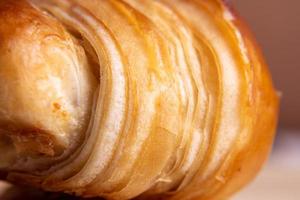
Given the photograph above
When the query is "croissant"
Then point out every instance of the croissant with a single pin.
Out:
(122, 99)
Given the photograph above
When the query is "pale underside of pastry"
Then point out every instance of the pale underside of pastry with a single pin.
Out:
(132, 98)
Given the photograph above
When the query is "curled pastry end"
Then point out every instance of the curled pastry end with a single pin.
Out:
(46, 83)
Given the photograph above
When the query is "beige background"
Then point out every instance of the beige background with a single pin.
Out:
(276, 24)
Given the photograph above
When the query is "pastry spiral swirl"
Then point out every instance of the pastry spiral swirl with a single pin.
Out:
(132, 98)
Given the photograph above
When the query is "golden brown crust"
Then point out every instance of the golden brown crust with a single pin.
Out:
(33, 67)
(184, 107)
(265, 105)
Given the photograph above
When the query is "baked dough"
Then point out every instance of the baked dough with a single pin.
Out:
(132, 98)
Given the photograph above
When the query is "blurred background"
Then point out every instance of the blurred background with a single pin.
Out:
(276, 25)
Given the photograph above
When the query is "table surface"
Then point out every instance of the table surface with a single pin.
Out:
(279, 180)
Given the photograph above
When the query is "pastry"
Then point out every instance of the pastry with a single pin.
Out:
(122, 99)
